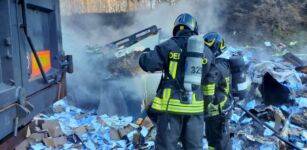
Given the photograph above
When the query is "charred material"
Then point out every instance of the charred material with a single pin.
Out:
(293, 59)
(273, 93)
(302, 69)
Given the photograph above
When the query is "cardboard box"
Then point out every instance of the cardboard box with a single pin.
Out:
(100, 121)
(90, 128)
(79, 116)
(53, 128)
(37, 137)
(24, 145)
(138, 140)
(124, 131)
(114, 134)
(147, 123)
(139, 121)
(58, 108)
(80, 130)
(54, 142)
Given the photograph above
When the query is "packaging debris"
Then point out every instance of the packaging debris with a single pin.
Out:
(80, 131)
(73, 128)
(273, 92)
(147, 123)
(90, 145)
(138, 140)
(300, 119)
(125, 130)
(53, 128)
(104, 132)
(37, 137)
(54, 142)
(237, 144)
(23, 145)
(301, 101)
(268, 132)
(268, 44)
(268, 147)
(114, 134)
(302, 69)
(125, 135)
(281, 85)
(39, 146)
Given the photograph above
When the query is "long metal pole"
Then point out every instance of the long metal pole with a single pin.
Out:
(267, 126)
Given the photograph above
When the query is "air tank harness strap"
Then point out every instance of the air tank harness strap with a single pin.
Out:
(193, 54)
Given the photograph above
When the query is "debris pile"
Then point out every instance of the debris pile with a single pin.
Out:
(69, 127)
(278, 98)
(289, 121)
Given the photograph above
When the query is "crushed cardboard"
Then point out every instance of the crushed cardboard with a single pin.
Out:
(23, 145)
(138, 140)
(58, 109)
(37, 137)
(53, 128)
(80, 130)
(114, 134)
(86, 130)
(125, 130)
(54, 142)
(300, 119)
(147, 123)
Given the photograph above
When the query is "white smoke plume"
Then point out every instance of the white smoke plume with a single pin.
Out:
(87, 85)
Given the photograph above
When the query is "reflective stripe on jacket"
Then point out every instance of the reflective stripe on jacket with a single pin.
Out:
(169, 57)
(217, 87)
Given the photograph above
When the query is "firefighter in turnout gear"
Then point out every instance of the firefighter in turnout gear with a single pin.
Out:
(179, 101)
(218, 102)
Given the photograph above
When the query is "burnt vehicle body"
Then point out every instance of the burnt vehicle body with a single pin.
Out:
(33, 64)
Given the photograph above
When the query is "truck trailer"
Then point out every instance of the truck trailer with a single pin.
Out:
(33, 65)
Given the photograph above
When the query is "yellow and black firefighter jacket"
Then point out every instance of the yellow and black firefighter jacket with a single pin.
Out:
(169, 57)
(217, 86)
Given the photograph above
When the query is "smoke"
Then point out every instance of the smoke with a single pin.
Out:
(206, 13)
(88, 85)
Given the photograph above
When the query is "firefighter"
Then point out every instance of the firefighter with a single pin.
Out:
(179, 116)
(218, 102)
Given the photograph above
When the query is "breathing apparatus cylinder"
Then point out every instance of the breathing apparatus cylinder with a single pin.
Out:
(193, 66)
(239, 82)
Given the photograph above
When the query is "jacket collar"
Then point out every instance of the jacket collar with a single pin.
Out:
(185, 32)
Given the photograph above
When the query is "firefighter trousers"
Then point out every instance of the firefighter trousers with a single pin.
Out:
(174, 128)
(217, 132)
